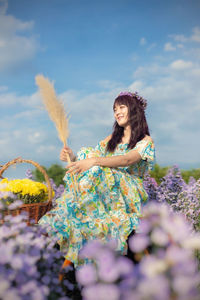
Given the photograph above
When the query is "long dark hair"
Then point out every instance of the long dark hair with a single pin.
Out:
(137, 120)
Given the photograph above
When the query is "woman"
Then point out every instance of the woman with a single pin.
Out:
(109, 178)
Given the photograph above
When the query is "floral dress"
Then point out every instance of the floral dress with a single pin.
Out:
(107, 205)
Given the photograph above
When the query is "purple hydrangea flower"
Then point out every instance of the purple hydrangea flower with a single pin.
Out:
(29, 262)
(86, 275)
(159, 273)
(101, 291)
(139, 242)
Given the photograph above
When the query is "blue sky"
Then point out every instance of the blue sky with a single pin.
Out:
(92, 50)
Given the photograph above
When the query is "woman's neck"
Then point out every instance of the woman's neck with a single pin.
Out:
(127, 134)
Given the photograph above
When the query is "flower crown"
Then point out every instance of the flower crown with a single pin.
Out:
(135, 95)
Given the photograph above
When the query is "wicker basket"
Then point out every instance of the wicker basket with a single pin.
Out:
(36, 210)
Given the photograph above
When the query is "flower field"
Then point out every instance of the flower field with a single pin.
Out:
(163, 262)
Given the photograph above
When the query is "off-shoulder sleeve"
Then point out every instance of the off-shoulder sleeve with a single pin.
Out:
(146, 149)
(101, 147)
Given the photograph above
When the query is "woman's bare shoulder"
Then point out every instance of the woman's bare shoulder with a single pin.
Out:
(147, 138)
(107, 139)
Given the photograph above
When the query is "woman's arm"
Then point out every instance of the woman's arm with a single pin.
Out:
(124, 160)
(112, 162)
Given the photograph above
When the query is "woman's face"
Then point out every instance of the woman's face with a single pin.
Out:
(121, 114)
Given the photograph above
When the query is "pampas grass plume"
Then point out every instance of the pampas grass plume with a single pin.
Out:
(54, 106)
(56, 111)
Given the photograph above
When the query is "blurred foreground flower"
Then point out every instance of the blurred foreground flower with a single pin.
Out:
(7, 199)
(167, 267)
(99, 279)
(29, 262)
(171, 267)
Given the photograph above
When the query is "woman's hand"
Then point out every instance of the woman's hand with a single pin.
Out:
(63, 154)
(80, 166)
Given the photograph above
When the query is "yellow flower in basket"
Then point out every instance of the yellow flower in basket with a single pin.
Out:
(27, 190)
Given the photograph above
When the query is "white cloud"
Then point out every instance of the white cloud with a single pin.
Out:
(3, 89)
(28, 132)
(24, 140)
(24, 127)
(180, 45)
(173, 109)
(181, 65)
(3, 6)
(196, 35)
(193, 52)
(46, 150)
(152, 69)
(153, 45)
(169, 47)
(8, 99)
(17, 44)
(95, 108)
(172, 113)
(16, 50)
(136, 85)
(108, 84)
(170, 84)
(179, 38)
(143, 41)
(134, 57)
(11, 100)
